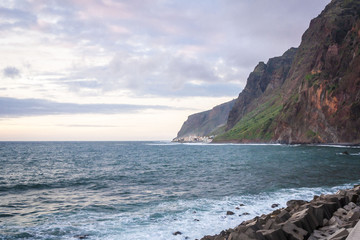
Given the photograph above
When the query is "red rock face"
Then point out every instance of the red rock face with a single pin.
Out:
(328, 83)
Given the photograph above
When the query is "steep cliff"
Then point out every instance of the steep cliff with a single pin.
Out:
(265, 79)
(205, 123)
(310, 94)
(318, 99)
(323, 89)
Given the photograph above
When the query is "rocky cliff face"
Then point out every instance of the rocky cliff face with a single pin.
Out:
(265, 78)
(323, 89)
(319, 99)
(205, 123)
(310, 94)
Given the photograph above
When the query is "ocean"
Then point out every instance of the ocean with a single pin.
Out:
(150, 190)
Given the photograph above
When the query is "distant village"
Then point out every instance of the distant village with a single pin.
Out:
(194, 139)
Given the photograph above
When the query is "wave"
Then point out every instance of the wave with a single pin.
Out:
(91, 183)
(335, 145)
(158, 221)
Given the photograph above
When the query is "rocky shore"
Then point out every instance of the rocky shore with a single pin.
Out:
(331, 217)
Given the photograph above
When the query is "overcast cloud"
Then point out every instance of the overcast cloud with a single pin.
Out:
(11, 72)
(164, 45)
(12, 107)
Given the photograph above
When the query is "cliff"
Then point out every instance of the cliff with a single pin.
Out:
(318, 99)
(310, 94)
(205, 123)
(264, 80)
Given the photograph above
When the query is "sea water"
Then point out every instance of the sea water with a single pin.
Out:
(150, 190)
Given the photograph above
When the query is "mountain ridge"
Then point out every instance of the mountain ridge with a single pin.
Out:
(310, 94)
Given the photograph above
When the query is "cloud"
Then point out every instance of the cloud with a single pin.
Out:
(160, 47)
(86, 126)
(13, 107)
(11, 72)
(15, 18)
(158, 74)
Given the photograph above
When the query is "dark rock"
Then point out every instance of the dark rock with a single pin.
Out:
(237, 208)
(341, 200)
(282, 216)
(239, 236)
(245, 213)
(320, 219)
(345, 153)
(321, 213)
(230, 213)
(352, 195)
(208, 237)
(329, 207)
(295, 204)
(275, 205)
(269, 224)
(305, 219)
(81, 236)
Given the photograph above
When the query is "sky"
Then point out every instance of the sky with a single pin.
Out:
(117, 70)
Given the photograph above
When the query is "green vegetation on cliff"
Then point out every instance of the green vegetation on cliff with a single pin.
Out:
(257, 125)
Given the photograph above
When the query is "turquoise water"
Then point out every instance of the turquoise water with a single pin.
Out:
(149, 190)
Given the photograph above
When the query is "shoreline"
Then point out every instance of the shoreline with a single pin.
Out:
(332, 216)
(274, 143)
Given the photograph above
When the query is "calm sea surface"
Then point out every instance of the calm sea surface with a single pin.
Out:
(149, 190)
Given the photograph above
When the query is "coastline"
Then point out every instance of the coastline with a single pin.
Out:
(210, 140)
(332, 216)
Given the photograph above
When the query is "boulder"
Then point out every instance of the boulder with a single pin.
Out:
(282, 216)
(341, 200)
(353, 215)
(305, 219)
(321, 213)
(341, 213)
(320, 234)
(293, 232)
(350, 206)
(352, 195)
(340, 234)
(239, 236)
(329, 207)
(294, 204)
(271, 234)
(334, 220)
(269, 224)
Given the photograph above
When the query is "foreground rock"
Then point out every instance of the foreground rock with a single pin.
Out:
(331, 217)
